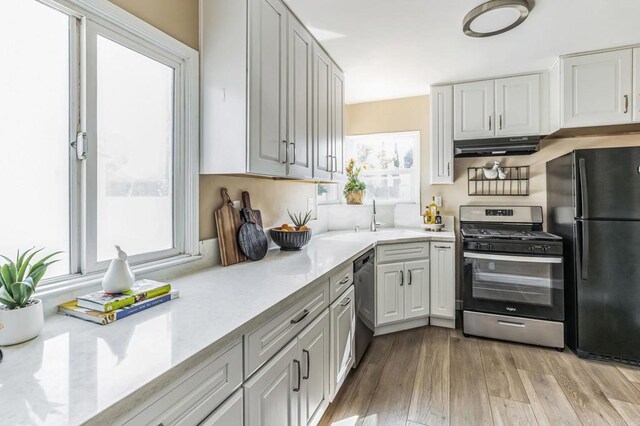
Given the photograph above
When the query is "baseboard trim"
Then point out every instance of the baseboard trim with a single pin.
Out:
(443, 322)
(400, 326)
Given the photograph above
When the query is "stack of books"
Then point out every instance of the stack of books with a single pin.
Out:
(104, 308)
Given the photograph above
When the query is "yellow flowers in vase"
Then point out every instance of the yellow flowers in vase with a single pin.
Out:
(354, 188)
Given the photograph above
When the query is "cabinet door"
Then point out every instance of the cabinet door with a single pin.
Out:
(635, 105)
(390, 293)
(442, 134)
(323, 161)
(443, 281)
(268, 87)
(518, 106)
(473, 110)
(228, 414)
(313, 344)
(416, 289)
(597, 89)
(342, 339)
(272, 394)
(300, 94)
(337, 121)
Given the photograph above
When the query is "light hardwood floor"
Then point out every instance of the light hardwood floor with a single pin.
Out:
(435, 376)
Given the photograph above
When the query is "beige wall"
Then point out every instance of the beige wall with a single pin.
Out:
(179, 19)
(413, 114)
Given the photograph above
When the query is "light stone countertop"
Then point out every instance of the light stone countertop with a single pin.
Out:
(77, 372)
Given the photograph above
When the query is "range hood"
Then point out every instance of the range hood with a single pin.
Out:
(521, 145)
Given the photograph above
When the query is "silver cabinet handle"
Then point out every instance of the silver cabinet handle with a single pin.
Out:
(329, 163)
(489, 122)
(344, 280)
(410, 278)
(626, 104)
(401, 278)
(500, 121)
(449, 168)
(335, 163)
(297, 388)
(442, 247)
(286, 152)
(293, 145)
(347, 302)
(306, 354)
(300, 317)
(511, 324)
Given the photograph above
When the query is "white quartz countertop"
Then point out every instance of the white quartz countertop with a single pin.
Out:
(75, 369)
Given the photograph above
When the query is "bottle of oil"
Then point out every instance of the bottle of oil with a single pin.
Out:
(433, 211)
(426, 216)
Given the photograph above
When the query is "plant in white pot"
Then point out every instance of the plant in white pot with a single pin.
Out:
(21, 316)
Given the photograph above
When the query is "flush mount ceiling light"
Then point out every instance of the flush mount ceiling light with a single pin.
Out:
(495, 17)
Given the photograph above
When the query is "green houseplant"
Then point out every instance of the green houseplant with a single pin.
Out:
(354, 188)
(21, 316)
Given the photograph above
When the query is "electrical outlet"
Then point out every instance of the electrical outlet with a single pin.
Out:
(237, 204)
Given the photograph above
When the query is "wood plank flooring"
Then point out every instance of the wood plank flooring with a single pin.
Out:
(435, 376)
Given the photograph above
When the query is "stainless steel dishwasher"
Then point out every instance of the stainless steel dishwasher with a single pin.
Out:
(364, 280)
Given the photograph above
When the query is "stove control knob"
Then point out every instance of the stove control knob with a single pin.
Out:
(531, 248)
(477, 246)
(490, 246)
(545, 249)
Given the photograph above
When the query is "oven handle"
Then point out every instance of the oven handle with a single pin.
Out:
(524, 259)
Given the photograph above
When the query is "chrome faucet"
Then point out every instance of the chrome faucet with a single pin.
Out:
(374, 224)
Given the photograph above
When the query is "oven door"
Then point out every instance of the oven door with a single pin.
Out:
(519, 285)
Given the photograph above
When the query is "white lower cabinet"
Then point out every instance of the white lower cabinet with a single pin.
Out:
(343, 316)
(228, 414)
(272, 394)
(443, 284)
(416, 290)
(313, 344)
(402, 291)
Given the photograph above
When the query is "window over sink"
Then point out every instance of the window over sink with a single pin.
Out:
(392, 174)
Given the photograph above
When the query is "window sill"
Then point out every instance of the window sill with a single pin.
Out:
(74, 285)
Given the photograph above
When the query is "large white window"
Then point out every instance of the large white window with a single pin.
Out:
(393, 165)
(98, 137)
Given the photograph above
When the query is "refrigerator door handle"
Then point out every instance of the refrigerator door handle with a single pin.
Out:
(582, 249)
(583, 193)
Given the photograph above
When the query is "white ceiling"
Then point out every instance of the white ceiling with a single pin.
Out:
(397, 48)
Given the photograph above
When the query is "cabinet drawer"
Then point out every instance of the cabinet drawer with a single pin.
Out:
(231, 413)
(402, 252)
(340, 281)
(199, 393)
(267, 340)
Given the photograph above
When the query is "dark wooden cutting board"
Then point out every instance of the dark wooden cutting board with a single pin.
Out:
(228, 222)
(251, 239)
(256, 215)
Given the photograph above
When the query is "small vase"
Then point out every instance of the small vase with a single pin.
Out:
(20, 325)
(119, 277)
(355, 197)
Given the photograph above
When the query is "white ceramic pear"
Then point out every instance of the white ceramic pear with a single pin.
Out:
(119, 277)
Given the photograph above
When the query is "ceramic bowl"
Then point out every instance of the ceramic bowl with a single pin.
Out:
(292, 240)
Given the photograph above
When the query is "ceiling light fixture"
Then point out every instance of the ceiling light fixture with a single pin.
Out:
(495, 17)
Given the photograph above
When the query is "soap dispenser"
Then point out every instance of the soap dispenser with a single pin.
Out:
(119, 277)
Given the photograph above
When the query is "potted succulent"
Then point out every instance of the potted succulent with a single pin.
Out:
(21, 316)
(354, 188)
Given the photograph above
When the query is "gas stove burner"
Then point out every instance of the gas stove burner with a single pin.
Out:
(509, 234)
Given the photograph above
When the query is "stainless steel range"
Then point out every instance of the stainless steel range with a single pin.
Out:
(512, 276)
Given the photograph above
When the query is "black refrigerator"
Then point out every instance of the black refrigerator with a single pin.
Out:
(593, 202)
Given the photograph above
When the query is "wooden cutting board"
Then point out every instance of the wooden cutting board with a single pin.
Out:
(256, 215)
(228, 222)
(251, 239)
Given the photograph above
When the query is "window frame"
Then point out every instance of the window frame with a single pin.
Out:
(120, 26)
(414, 171)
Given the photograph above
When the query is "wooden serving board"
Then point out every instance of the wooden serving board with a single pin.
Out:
(256, 215)
(228, 222)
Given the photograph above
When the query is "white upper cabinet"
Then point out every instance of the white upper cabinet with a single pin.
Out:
(323, 158)
(636, 84)
(442, 134)
(272, 99)
(337, 121)
(597, 89)
(300, 95)
(268, 145)
(518, 106)
(473, 106)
